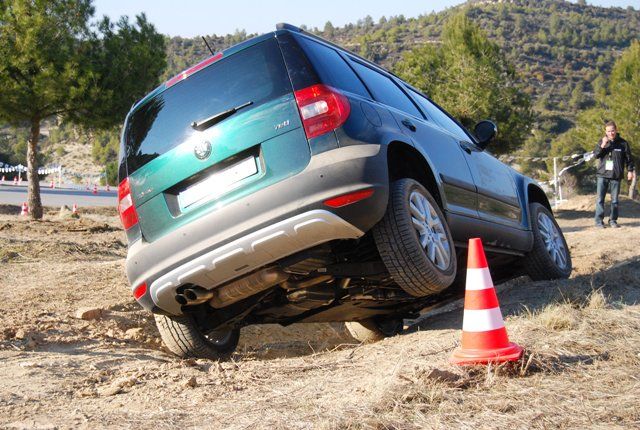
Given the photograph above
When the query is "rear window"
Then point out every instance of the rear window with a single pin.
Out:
(385, 90)
(333, 70)
(255, 74)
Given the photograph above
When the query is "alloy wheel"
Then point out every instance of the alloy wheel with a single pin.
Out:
(430, 230)
(552, 240)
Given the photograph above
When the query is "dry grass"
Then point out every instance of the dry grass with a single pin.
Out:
(579, 370)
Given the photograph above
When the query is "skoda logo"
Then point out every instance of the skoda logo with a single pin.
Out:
(202, 150)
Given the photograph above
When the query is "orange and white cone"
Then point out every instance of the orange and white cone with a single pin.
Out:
(484, 336)
(25, 209)
(74, 211)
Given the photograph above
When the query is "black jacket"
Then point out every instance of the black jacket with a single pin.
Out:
(619, 152)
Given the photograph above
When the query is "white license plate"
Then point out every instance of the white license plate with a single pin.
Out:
(218, 183)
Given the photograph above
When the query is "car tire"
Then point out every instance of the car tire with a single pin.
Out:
(373, 329)
(550, 257)
(414, 240)
(183, 337)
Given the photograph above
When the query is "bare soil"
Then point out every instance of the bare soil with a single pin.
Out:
(580, 369)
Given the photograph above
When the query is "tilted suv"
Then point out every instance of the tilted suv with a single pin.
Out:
(287, 180)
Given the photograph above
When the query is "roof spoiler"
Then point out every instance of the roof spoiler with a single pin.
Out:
(285, 26)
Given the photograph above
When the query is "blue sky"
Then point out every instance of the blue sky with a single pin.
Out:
(190, 18)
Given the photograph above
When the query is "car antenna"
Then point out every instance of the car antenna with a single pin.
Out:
(207, 43)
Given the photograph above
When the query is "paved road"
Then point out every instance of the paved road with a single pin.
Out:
(16, 195)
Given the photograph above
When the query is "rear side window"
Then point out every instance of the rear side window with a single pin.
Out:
(256, 74)
(385, 90)
(440, 118)
(333, 70)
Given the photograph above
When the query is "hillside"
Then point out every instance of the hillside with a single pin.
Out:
(555, 45)
(562, 51)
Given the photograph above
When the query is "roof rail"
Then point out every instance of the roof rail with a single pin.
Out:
(285, 26)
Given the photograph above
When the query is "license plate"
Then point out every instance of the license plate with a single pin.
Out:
(218, 183)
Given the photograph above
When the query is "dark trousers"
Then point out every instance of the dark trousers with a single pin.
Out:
(604, 185)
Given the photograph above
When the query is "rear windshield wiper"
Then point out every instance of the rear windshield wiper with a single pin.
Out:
(206, 123)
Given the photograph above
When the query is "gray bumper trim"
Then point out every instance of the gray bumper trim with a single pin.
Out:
(250, 252)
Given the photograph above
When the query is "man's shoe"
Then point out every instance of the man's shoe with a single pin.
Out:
(614, 224)
(599, 225)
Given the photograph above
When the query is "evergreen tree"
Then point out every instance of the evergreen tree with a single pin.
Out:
(624, 99)
(468, 76)
(53, 63)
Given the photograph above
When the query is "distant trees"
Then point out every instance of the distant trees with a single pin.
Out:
(624, 90)
(469, 76)
(53, 62)
(619, 100)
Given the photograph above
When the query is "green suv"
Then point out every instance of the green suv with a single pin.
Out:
(287, 180)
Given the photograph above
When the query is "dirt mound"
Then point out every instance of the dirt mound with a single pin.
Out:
(76, 351)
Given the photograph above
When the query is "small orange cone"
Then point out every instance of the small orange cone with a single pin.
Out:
(484, 336)
(74, 211)
(52, 184)
(25, 209)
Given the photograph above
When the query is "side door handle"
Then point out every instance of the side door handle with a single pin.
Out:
(408, 124)
(465, 147)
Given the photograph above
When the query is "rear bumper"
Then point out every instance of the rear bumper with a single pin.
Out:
(266, 226)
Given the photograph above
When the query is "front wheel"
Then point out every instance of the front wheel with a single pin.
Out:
(183, 336)
(549, 258)
(414, 240)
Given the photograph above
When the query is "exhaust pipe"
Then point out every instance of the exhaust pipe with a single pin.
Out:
(194, 296)
(197, 295)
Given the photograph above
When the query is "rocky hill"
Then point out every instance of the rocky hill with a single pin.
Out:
(563, 53)
(560, 49)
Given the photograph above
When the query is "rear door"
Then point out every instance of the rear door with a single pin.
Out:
(497, 198)
(187, 154)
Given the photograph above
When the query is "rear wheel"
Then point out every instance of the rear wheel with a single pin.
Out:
(414, 240)
(549, 258)
(374, 329)
(183, 336)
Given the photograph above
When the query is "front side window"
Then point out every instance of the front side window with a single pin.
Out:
(385, 90)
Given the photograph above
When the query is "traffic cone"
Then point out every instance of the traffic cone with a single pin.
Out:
(25, 209)
(95, 189)
(484, 336)
(74, 211)
(52, 184)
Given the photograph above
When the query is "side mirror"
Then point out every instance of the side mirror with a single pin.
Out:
(485, 131)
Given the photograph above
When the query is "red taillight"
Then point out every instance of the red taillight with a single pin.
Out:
(140, 291)
(347, 199)
(192, 70)
(126, 209)
(322, 109)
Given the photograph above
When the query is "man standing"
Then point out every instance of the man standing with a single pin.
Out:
(613, 153)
